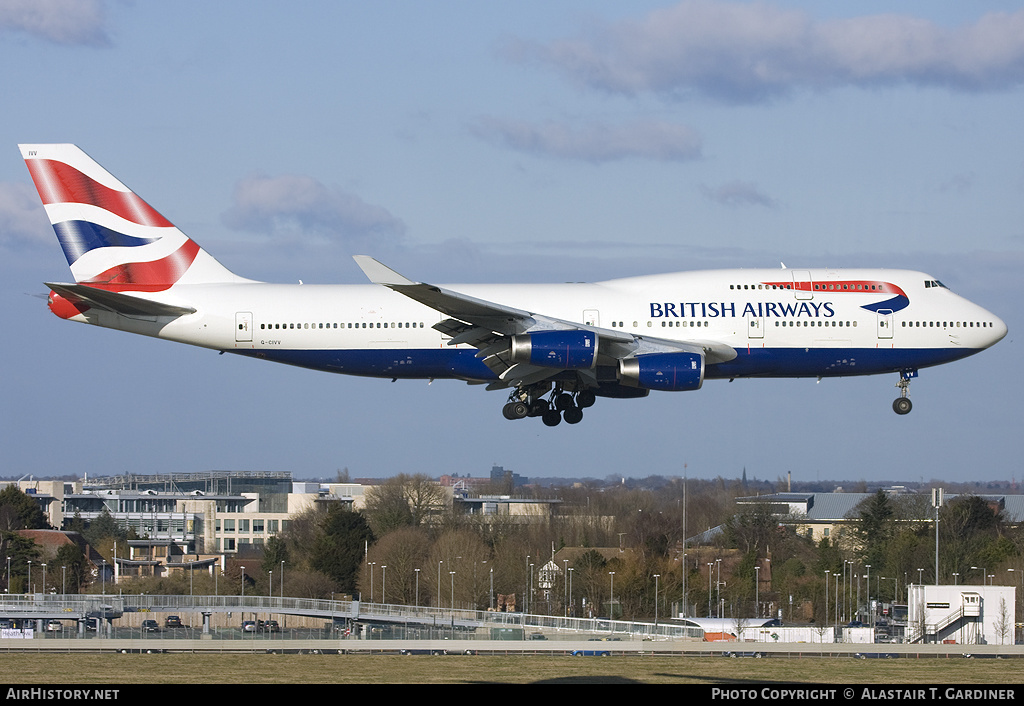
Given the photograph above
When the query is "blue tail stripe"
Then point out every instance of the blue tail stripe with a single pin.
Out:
(79, 237)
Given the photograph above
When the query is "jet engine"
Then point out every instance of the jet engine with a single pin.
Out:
(676, 372)
(567, 350)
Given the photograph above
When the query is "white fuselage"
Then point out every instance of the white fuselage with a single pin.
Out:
(781, 323)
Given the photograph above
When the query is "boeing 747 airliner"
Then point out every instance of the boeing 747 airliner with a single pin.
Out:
(554, 348)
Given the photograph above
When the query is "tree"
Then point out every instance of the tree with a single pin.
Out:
(67, 569)
(339, 546)
(275, 551)
(18, 510)
(875, 527)
(403, 500)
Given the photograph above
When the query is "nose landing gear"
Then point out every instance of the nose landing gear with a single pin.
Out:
(902, 404)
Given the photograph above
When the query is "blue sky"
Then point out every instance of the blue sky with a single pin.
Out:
(517, 142)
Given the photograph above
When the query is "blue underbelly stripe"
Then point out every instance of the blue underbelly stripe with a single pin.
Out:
(757, 362)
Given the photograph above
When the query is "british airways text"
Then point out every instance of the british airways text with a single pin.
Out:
(711, 310)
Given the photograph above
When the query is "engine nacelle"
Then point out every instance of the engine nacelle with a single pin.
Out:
(677, 372)
(568, 350)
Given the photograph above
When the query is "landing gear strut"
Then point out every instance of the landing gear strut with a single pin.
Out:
(902, 404)
(528, 402)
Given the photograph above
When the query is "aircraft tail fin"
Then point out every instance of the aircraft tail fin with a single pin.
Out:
(111, 238)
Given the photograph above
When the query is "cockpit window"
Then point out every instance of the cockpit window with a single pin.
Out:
(934, 283)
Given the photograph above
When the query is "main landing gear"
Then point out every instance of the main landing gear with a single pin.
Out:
(902, 404)
(528, 402)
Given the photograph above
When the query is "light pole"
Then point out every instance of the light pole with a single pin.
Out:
(984, 573)
(710, 576)
(243, 583)
(611, 600)
(270, 584)
(440, 561)
(452, 574)
(757, 592)
(384, 583)
(44, 579)
(827, 572)
(282, 578)
(868, 567)
(565, 588)
(417, 587)
(372, 564)
(571, 569)
(529, 597)
(718, 585)
(656, 599)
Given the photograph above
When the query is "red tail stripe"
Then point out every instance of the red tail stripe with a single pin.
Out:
(60, 183)
(154, 276)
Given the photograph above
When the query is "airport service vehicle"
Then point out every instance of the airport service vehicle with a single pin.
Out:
(554, 349)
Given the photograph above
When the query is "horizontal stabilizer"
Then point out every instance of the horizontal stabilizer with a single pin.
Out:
(117, 302)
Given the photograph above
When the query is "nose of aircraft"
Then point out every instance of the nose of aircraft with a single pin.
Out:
(998, 330)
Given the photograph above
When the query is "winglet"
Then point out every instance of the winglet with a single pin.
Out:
(378, 273)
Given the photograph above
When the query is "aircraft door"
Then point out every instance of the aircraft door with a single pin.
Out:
(802, 284)
(885, 323)
(591, 317)
(755, 327)
(243, 326)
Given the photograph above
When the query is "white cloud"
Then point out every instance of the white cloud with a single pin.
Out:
(58, 21)
(22, 218)
(294, 205)
(738, 193)
(748, 52)
(593, 143)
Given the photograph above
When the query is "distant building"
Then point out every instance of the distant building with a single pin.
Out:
(500, 475)
(202, 513)
(965, 615)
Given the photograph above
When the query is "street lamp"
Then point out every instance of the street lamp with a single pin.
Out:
(611, 600)
(417, 587)
(656, 599)
(757, 592)
(440, 561)
(452, 574)
(827, 572)
(384, 583)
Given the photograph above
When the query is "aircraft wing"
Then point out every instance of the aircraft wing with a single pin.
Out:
(489, 326)
(117, 302)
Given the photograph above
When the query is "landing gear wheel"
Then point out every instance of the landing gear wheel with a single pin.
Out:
(573, 415)
(515, 410)
(563, 401)
(902, 405)
(585, 398)
(552, 418)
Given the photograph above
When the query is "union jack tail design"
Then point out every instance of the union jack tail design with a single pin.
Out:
(112, 239)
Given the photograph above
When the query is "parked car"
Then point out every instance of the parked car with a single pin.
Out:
(150, 626)
(173, 621)
(54, 626)
(271, 626)
(249, 626)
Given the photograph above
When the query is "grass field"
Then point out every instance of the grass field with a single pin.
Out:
(70, 668)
